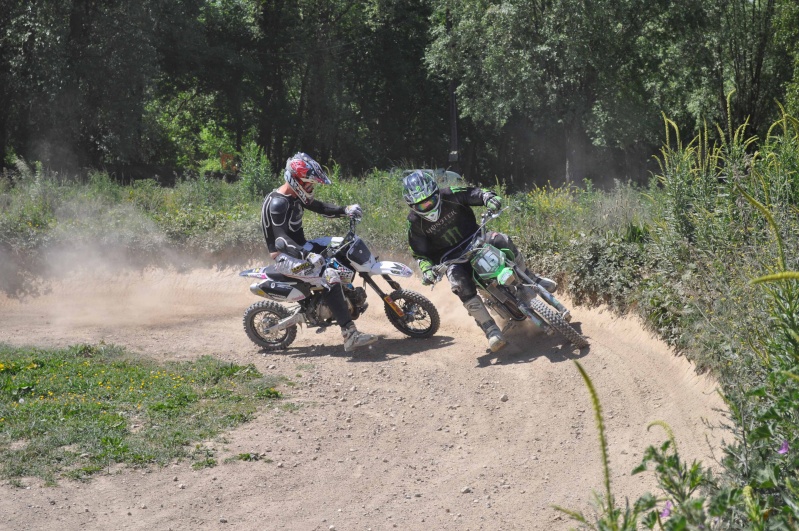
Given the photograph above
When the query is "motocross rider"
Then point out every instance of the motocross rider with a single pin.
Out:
(281, 221)
(442, 220)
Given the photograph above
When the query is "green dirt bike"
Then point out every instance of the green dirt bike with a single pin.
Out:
(504, 287)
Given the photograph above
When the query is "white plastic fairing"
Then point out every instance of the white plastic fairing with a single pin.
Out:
(277, 291)
(391, 268)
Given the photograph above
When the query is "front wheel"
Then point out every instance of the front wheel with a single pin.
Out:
(557, 322)
(420, 317)
(262, 315)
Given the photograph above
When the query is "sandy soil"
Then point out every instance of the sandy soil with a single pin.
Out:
(412, 434)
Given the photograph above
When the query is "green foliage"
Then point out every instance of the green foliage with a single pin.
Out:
(542, 86)
(606, 270)
(764, 458)
(76, 411)
(712, 209)
(255, 174)
(213, 142)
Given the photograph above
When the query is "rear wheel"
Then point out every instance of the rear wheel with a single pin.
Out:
(557, 322)
(262, 315)
(420, 317)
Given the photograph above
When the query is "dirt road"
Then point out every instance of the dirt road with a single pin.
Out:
(412, 434)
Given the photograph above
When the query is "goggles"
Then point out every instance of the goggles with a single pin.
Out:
(426, 205)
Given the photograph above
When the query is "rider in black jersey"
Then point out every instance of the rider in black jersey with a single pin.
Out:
(281, 221)
(440, 222)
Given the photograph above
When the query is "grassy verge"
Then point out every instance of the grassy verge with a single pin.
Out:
(74, 412)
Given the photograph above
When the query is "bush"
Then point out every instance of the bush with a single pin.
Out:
(255, 176)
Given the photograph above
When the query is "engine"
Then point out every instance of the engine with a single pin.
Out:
(318, 311)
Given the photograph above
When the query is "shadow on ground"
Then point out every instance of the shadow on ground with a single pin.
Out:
(384, 349)
(526, 342)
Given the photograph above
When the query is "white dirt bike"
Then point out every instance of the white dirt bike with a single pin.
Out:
(273, 326)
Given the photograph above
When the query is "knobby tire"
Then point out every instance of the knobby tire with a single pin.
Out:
(557, 322)
(273, 313)
(411, 302)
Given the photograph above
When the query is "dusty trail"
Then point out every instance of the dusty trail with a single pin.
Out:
(413, 434)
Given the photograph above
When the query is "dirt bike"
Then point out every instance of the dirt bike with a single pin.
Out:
(501, 284)
(273, 326)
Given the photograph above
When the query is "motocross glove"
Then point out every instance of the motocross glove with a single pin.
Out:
(493, 202)
(428, 277)
(353, 211)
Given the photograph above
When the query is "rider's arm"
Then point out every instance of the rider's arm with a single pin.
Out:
(276, 213)
(471, 196)
(418, 243)
(329, 210)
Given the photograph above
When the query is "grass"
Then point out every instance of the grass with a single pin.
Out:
(77, 411)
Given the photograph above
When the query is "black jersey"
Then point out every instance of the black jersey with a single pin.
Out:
(281, 219)
(431, 240)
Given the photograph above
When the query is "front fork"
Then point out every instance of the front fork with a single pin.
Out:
(547, 296)
(386, 298)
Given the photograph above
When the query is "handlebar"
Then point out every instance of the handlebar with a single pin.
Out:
(440, 269)
(329, 252)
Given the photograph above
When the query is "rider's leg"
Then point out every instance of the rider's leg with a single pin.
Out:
(460, 279)
(334, 297)
(503, 241)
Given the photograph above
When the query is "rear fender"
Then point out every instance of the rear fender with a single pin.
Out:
(258, 272)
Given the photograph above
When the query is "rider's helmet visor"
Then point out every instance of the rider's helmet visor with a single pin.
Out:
(426, 205)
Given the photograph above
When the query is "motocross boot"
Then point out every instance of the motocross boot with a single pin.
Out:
(354, 339)
(546, 283)
(478, 311)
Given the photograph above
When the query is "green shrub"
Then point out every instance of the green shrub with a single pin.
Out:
(255, 176)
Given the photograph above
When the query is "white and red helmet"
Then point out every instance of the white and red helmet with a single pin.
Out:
(302, 174)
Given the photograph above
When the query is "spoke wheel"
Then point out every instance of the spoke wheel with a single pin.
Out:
(262, 315)
(421, 316)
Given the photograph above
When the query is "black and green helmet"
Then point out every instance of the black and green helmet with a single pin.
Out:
(420, 191)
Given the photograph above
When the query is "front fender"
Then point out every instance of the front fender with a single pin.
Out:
(396, 269)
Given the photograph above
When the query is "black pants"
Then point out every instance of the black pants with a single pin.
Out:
(334, 298)
(461, 276)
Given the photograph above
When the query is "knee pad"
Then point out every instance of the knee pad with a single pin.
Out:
(331, 276)
(503, 241)
(461, 283)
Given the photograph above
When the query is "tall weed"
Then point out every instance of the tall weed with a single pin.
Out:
(682, 507)
(255, 176)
